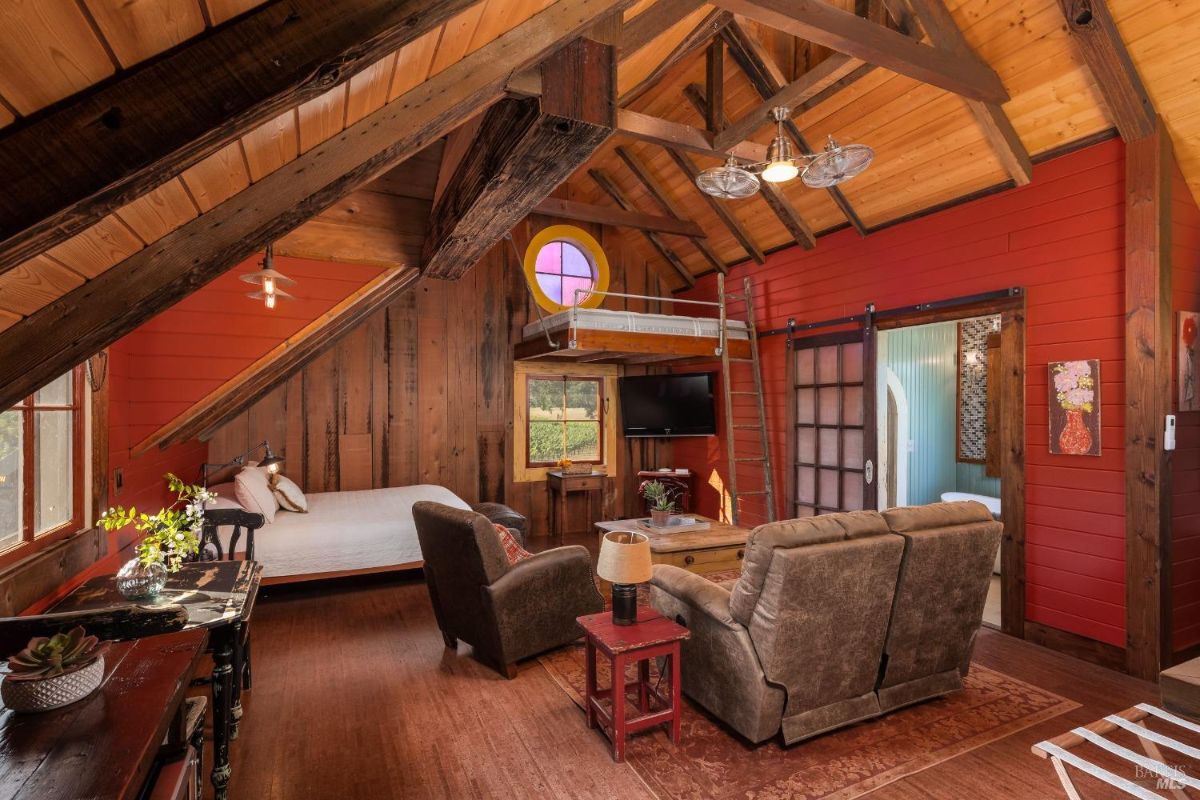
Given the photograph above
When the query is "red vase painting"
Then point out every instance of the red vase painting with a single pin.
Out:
(1075, 408)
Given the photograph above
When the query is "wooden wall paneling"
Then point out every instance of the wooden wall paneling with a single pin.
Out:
(231, 440)
(462, 392)
(267, 419)
(321, 423)
(218, 177)
(33, 76)
(517, 494)
(294, 450)
(403, 432)
(272, 144)
(136, 31)
(35, 283)
(354, 411)
(157, 213)
(413, 62)
(1010, 393)
(493, 409)
(94, 250)
(432, 384)
(100, 435)
(1149, 327)
(368, 90)
(380, 377)
(322, 117)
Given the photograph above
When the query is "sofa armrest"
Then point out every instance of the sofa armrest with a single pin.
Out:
(537, 600)
(700, 593)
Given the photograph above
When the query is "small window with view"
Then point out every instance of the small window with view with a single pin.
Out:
(565, 416)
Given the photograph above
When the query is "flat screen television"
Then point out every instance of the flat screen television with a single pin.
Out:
(668, 405)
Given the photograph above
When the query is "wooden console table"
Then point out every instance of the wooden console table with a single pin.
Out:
(108, 744)
(219, 597)
(560, 485)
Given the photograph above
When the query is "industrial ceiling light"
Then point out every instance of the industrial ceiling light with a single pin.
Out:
(270, 279)
(836, 164)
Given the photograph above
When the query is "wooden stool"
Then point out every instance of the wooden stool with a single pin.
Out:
(652, 636)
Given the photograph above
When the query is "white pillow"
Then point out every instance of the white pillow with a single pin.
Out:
(288, 494)
(253, 492)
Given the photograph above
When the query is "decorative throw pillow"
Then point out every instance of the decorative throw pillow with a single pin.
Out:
(226, 496)
(512, 548)
(288, 494)
(254, 493)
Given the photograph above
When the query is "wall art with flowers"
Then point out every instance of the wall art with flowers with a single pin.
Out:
(1189, 366)
(1075, 408)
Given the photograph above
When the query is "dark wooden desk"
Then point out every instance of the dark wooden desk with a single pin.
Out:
(559, 486)
(219, 597)
(106, 745)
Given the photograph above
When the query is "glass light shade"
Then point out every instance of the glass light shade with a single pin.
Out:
(624, 557)
(780, 171)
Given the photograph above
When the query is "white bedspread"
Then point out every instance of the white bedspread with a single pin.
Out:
(345, 531)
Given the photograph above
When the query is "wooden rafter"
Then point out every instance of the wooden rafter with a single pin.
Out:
(796, 227)
(68, 330)
(607, 215)
(520, 154)
(108, 146)
(656, 130)
(1096, 35)
(710, 26)
(848, 33)
(653, 22)
(766, 78)
(723, 211)
(612, 190)
(285, 359)
(664, 201)
(997, 127)
(714, 87)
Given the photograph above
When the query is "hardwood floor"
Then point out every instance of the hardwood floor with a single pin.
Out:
(355, 697)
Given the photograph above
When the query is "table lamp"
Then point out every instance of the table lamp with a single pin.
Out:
(625, 562)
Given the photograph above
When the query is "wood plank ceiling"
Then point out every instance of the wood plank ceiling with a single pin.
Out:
(931, 148)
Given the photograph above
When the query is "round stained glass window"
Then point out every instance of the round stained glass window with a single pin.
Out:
(566, 267)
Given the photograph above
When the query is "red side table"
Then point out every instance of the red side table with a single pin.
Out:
(652, 636)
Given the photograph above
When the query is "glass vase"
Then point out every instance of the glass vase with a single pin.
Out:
(138, 581)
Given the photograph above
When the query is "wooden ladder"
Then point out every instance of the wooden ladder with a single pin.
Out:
(763, 459)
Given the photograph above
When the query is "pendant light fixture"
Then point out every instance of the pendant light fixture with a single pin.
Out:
(836, 164)
(270, 279)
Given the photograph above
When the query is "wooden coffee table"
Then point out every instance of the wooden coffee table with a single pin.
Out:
(719, 547)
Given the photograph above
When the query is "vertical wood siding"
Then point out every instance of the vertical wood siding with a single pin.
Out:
(1062, 239)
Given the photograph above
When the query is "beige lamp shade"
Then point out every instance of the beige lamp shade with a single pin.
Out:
(624, 557)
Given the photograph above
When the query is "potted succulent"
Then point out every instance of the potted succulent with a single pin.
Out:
(171, 535)
(661, 502)
(54, 671)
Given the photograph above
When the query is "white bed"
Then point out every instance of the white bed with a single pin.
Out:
(343, 532)
(601, 319)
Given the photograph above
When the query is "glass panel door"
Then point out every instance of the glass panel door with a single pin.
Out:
(833, 438)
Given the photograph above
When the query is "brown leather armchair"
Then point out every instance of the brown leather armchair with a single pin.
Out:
(506, 612)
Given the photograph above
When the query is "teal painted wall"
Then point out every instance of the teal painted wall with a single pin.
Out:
(923, 360)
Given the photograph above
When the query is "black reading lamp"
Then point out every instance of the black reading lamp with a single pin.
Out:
(270, 461)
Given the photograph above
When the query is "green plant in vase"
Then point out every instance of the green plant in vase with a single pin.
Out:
(661, 500)
(53, 671)
(170, 536)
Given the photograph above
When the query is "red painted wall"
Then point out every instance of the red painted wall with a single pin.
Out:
(179, 356)
(1185, 462)
(1061, 238)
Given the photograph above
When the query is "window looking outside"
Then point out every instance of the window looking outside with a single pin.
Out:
(41, 457)
(561, 269)
(565, 419)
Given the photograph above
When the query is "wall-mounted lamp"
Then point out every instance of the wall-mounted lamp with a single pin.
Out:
(270, 461)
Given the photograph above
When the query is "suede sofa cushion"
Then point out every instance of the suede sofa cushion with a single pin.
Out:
(807, 531)
(936, 515)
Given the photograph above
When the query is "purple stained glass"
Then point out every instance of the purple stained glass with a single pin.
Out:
(574, 262)
(549, 259)
(551, 286)
(569, 285)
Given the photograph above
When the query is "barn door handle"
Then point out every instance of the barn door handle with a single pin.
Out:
(869, 472)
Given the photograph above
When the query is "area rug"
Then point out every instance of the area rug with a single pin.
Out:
(713, 762)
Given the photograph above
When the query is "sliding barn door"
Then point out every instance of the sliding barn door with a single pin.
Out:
(833, 440)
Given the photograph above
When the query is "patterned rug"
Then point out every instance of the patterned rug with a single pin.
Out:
(713, 762)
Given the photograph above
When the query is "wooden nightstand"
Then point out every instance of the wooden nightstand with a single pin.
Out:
(560, 485)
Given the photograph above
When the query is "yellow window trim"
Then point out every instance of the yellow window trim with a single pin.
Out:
(522, 369)
(585, 242)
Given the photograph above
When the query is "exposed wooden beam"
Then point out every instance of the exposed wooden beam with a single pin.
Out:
(997, 127)
(710, 26)
(824, 75)
(653, 22)
(797, 228)
(766, 78)
(1149, 171)
(285, 359)
(520, 155)
(656, 130)
(714, 86)
(606, 215)
(720, 208)
(115, 142)
(1092, 27)
(612, 190)
(458, 144)
(664, 201)
(845, 32)
(68, 330)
